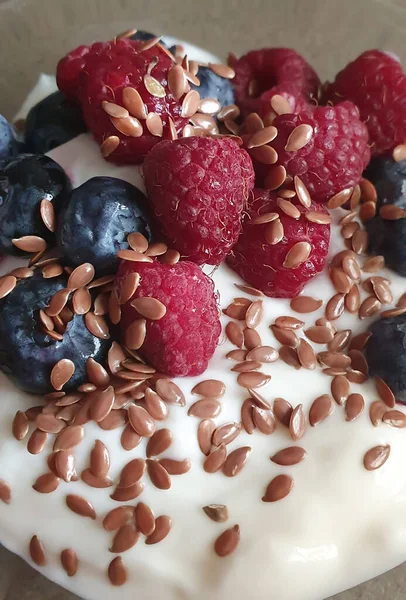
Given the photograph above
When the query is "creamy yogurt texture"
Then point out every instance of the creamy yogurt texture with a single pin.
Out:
(339, 526)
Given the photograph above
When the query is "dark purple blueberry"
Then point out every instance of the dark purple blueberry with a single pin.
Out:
(27, 354)
(24, 182)
(386, 353)
(52, 122)
(8, 143)
(144, 36)
(214, 86)
(97, 219)
(388, 237)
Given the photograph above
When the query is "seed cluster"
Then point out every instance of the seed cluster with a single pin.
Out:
(64, 416)
(342, 359)
(128, 395)
(133, 119)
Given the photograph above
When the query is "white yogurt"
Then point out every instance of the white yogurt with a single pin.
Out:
(339, 526)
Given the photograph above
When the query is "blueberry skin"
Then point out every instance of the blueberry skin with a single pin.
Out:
(51, 123)
(96, 221)
(386, 353)
(24, 182)
(214, 86)
(388, 237)
(27, 355)
(144, 36)
(8, 144)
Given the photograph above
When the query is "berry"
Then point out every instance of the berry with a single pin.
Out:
(185, 338)
(336, 154)
(261, 263)
(197, 188)
(387, 237)
(97, 219)
(106, 70)
(376, 83)
(144, 36)
(69, 69)
(386, 352)
(8, 144)
(51, 123)
(24, 182)
(214, 86)
(27, 353)
(264, 73)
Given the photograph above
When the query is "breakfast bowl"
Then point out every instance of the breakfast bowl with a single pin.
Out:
(202, 300)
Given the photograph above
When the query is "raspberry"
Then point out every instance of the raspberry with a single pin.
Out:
(336, 154)
(261, 74)
(182, 342)
(376, 83)
(69, 69)
(261, 263)
(102, 74)
(197, 187)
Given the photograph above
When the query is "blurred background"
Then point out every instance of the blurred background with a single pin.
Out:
(34, 34)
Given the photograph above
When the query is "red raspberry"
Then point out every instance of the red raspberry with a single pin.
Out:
(102, 74)
(261, 263)
(336, 154)
(376, 83)
(182, 342)
(261, 74)
(197, 187)
(69, 69)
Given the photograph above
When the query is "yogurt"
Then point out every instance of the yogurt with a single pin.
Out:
(340, 525)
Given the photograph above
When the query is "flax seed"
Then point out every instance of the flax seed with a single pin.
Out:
(216, 512)
(384, 392)
(297, 255)
(215, 459)
(163, 525)
(297, 423)
(376, 457)
(299, 137)
(390, 212)
(305, 304)
(340, 198)
(278, 488)
(369, 307)
(335, 307)
(274, 232)
(289, 456)
(275, 178)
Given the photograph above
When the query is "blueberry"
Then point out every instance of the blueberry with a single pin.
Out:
(97, 219)
(27, 354)
(214, 86)
(24, 182)
(388, 237)
(8, 144)
(52, 122)
(144, 36)
(386, 353)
